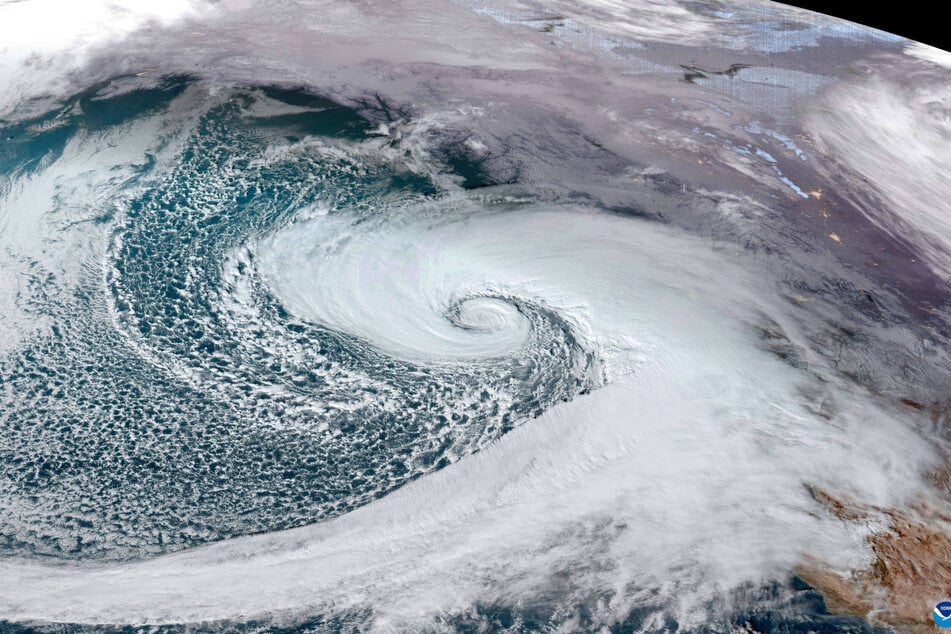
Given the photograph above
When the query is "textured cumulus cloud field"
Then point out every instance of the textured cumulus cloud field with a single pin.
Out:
(683, 475)
(745, 292)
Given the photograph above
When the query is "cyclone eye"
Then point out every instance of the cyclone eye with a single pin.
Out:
(485, 314)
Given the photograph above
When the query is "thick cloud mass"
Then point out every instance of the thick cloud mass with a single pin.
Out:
(440, 316)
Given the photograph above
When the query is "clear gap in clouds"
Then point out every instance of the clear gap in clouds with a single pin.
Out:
(919, 20)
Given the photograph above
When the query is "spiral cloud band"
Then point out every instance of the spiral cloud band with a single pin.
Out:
(535, 319)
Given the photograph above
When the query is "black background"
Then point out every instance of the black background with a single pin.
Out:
(919, 20)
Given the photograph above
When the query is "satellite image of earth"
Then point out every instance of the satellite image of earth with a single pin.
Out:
(471, 316)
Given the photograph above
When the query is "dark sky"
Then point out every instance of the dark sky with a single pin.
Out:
(915, 19)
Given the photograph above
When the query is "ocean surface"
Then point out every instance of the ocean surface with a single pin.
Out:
(511, 319)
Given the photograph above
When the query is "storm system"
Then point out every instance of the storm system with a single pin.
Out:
(456, 316)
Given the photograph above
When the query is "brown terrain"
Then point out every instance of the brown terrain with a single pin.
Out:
(911, 571)
(912, 567)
